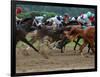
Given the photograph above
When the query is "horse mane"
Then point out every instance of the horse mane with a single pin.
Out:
(75, 30)
(73, 23)
(25, 20)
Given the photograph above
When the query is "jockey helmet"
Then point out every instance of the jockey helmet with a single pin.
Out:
(18, 10)
(66, 14)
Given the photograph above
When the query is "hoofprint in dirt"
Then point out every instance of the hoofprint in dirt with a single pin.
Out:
(68, 60)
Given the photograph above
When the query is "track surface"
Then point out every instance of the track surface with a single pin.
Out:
(34, 62)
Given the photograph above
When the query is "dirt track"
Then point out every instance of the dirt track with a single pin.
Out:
(68, 60)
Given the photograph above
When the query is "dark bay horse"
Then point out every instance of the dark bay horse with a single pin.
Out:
(24, 27)
(44, 30)
(20, 36)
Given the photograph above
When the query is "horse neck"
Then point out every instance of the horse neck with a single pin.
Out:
(81, 32)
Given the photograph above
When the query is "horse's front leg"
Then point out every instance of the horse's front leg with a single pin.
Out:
(82, 47)
(77, 43)
(63, 49)
(88, 48)
(92, 46)
(30, 45)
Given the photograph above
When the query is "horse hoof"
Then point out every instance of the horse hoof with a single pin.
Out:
(74, 49)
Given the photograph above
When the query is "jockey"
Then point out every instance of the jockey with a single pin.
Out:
(57, 21)
(66, 18)
(18, 11)
(92, 19)
(84, 19)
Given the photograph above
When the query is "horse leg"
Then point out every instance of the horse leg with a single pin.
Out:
(64, 47)
(25, 41)
(76, 43)
(31, 41)
(63, 44)
(92, 46)
(62, 50)
(82, 47)
(88, 48)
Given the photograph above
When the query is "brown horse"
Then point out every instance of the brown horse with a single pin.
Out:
(24, 27)
(20, 36)
(88, 36)
(53, 35)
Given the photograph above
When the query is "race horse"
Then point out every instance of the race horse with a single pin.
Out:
(20, 36)
(22, 29)
(67, 29)
(88, 36)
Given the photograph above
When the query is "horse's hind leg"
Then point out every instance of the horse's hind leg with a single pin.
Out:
(25, 41)
(64, 47)
(76, 43)
(92, 45)
(62, 50)
(89, 48)
(82, 47)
